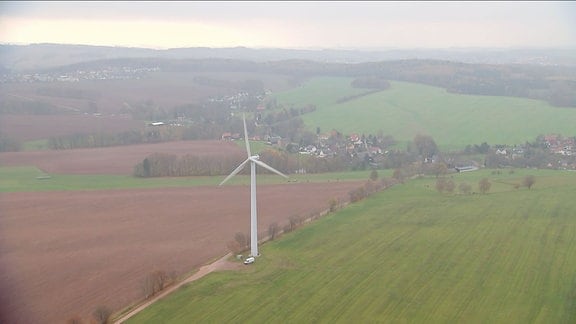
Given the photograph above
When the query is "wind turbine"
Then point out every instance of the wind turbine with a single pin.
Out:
(253, 159)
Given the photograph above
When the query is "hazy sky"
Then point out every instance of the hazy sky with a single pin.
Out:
(291, 24)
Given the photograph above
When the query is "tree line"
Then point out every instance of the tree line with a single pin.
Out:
(91, 140)
(170, 165)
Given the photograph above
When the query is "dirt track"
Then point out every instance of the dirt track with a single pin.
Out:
(220, 264)
(65, 253)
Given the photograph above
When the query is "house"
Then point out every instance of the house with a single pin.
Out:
(226, 136)
(374, 150)
(466, 168)
(274, 140)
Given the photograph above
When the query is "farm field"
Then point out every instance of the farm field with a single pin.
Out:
(37, 127)
(63, 253)
(406, 109)
(30, 179)
(408, 255)
(115, 160)
(76, 225)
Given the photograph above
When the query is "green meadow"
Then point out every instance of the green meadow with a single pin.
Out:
(408, 255)
(30, 179)
(407, 109)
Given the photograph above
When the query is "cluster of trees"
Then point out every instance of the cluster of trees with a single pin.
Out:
(8, 144)
(156, 281)
(483, 148)
(444, 184)
(147, 110)
(64, 92)
(240, 243)
(170, 165)
(86, 140)
(371, 82)
(100, 315)
(32, 107)
(353, 97)
(289, 163)
(529, 81)
(285, 114)
(250, 85)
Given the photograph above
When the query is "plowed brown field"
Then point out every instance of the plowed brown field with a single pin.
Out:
(34, 127)
(65, 253)
(113, 160)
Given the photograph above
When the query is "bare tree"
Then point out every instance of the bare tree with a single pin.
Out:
(439, 169)
(425, 146)
(273, 230)
(155, 282)
(484, 185)
(101, 314)
(374, 175)
(465, 188)
(529, 181)
(241, 239)
(370, 187)
(295, 220)
(357, 194)
(440, 184)
(398, 175)
(333, 204)
(74, 320)
(234, 247)
(449, 186)
(162, 279)
(388, 182)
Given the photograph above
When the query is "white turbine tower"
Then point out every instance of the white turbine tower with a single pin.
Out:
(253, 159)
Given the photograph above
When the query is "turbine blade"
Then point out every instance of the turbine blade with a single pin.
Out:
(266, 166)
(246, 136)
(235, 172)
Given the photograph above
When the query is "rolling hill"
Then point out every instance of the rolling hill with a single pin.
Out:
(407, 109)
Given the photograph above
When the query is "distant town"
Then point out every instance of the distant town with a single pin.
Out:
(111, 73)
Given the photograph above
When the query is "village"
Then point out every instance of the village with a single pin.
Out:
(109, 73)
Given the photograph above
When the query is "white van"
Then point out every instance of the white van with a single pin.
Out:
(249, 260)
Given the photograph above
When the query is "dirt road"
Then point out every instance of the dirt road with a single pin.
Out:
(220, 264)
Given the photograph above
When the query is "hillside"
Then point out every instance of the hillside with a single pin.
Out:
(406, 109)
(552, 83)
(41, 56)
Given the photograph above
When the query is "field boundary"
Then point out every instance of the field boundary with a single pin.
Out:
(219, 264)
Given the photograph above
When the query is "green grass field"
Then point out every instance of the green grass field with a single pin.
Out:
(408, 255)
(407, 109)
(30, 179)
